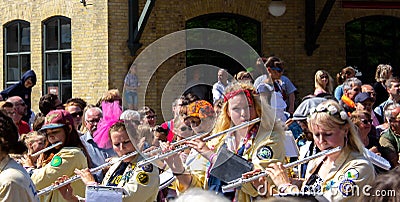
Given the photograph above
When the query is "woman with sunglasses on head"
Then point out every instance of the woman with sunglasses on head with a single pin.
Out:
(261, 143)
(323, 83)
(342, 76)
(63, 159)
(341, 176)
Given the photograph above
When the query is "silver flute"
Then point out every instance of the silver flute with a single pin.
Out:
(183, 147)
(77, 177)
(46, 149)
(240, 181)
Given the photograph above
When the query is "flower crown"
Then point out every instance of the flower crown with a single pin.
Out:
(331, 110)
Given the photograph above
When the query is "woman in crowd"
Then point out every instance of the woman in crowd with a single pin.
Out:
(346, 73)
(362, 119)
(260, 142)
(63, 159)
(15, 183)
(337, 175)
(323, 83)
(244, 76)
(141, 183)
(35, 142)
(383, 73)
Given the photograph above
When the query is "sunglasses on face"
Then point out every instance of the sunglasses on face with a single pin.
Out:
(323, 77)
(76, 114)
(151, 117)
(366, 121)
(184, 128)
(348, 73)
(93, 121)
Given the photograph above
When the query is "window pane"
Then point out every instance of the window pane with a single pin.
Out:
(65, 34)
(25, 63)
(12, 69)
(66, 66)
(52, 67)
(12, 38)
(25, 37)
(66, 91)
(51, 35)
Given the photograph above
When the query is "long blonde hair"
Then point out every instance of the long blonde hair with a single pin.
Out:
(318, 82)
(330, 115)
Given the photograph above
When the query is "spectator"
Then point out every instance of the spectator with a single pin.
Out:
(351, 87)
(244, 76)
(219, 87)
(392, 86)
(148, 116)
(75, 107)
(390, 139)
(346, 73)
(323, 83)
(366, 88)
(49, 102)
(23, 89)
(131, 85)
(383, 73)
(20, 110)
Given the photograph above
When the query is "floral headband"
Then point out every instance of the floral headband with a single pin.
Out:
(331, 110)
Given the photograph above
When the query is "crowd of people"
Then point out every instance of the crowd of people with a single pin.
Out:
(242, 135)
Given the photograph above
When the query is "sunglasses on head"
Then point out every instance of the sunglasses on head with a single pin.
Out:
(76, 114)
(366, 121)
(278, 69)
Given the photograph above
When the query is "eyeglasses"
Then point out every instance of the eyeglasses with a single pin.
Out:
(76, 114)
(151, 116)
(184, 128)
(323, 77)
(366, 121)
(92, 121)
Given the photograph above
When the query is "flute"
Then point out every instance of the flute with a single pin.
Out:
(77, 177)
(46, 149)
(238, 182)
(167, 154)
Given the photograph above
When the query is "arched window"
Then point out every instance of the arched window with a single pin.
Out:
(57, 57)
(17, 51)
(371, 41)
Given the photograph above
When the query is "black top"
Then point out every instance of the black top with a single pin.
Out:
(381, 93)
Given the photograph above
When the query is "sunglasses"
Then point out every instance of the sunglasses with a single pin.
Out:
(277, 69)
(323, 77)
(76, 114)
(366, 121)
(151, 117)
(184, 128)
(93, 121)
(348, 73)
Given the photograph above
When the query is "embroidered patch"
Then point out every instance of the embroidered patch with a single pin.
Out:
(148, 168)
(351, 174)
(56, 161)
(264, 152)
(346, 187)
(142, 178)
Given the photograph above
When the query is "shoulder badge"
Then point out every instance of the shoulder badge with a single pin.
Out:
(56, 161)
(264, 152)
(142, 178)
(148, 168)
(346, 187)
(351, 174)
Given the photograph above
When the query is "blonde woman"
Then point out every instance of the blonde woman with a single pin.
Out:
(337, 176)
(262, 143)
(323, 83)
(383, 73)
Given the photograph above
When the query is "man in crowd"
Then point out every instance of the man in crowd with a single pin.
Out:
(20, 110)
(219, 87)
(390, 138)
(392, 86)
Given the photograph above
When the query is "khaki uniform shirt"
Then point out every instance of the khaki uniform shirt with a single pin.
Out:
(350, 170)
(15, 183)
(63, 163)
(140, 184)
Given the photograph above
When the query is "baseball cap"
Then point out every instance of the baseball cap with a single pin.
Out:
(200, 109)
(361, 97)
(303, 110)
(57, 119)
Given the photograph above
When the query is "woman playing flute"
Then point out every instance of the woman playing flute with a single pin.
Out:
(141, 183)
(61, 160)
(338, 176)
(261, 143)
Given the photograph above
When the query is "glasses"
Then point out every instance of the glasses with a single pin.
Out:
(184, 128)
(372, 94)
(76, 114)
(356, 89)
(366, 121)
(323, 77)
(92, 121)
(348, 73)
(151, 116)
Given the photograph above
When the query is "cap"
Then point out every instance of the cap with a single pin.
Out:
(57, 119)
(303, 110)
(201, 109)
(361, 97)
